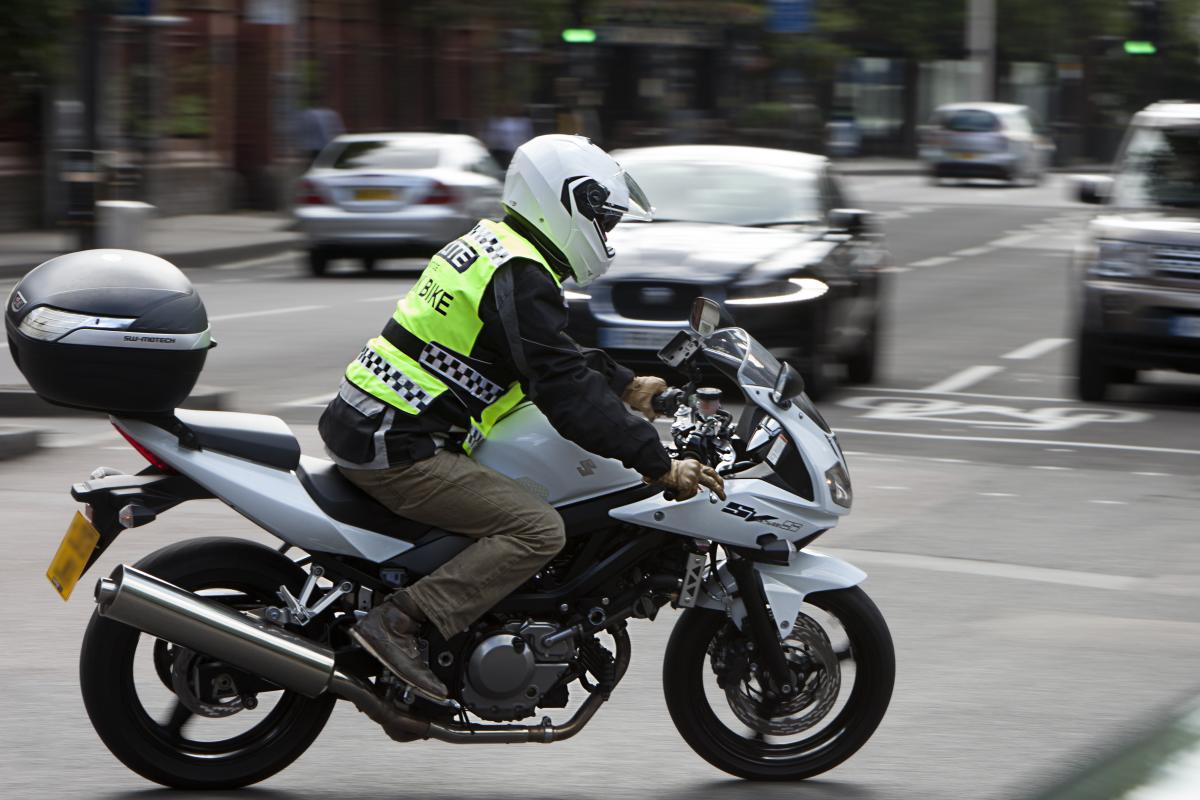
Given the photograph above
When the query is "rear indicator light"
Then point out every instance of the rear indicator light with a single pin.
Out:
(309, 195)
(439, 195)
(154, 460)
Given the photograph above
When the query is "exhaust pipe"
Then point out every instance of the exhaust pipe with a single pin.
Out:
(293, 662)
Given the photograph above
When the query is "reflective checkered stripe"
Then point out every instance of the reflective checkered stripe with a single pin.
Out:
(443, 307)
(372, 372)
(449, 366)
(488, 244)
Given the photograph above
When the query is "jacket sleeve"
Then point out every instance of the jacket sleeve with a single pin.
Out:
(577, 390)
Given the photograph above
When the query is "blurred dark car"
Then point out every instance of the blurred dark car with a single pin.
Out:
(1164, 764)
(375, 195)
(1138, 267)
(766, 233)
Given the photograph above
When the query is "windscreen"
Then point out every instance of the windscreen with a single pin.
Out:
(728, 193)
(738, 355)
(971, 121)
(1160, 168)
(385, 155)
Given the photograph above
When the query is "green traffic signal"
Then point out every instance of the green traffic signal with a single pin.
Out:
(1136, 48)
(578, 35)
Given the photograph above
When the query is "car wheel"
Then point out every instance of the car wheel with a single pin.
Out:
(1093, 375)
(861, 367)
(318, 261)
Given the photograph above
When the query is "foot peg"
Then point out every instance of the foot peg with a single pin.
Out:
(296, 610)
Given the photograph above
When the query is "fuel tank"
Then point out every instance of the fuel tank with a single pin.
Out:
(525, 447)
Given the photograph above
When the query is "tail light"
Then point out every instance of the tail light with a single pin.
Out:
(439, 195)
(154, 460)
(308, 195)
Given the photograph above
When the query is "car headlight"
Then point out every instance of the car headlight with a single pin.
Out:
(838, 481)
(792, 290)
(1117, 259)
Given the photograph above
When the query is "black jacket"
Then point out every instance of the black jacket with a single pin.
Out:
(579, 390)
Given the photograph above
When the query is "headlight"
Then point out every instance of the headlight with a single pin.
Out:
(1116, 259)
(838, 481)
(51, 324)
(793, 290)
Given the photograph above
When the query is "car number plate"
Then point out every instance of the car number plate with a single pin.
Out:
(374, 193)
(1186, 326)
(966, 156)
(636, 338)
(72, 556)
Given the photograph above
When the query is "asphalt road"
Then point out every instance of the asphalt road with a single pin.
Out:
(1035, 557)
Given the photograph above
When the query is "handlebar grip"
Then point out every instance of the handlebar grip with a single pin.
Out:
(666, 402)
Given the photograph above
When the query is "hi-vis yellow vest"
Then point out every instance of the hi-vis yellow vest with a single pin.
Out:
(427, 347)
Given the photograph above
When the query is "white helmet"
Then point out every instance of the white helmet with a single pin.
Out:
(572, 194)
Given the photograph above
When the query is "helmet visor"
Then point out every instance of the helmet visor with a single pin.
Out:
(627, 201)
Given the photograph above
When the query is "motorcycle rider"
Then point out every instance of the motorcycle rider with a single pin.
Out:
(480, 331)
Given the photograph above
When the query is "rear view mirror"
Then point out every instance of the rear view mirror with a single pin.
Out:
(788, 384)
(706, 314)
(1093, 189)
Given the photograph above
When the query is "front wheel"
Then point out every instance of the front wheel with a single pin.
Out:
(183, 719)
(842, 653)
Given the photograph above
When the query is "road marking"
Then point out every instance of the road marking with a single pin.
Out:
(1036, 349)
(1052, 469)
(991, 569)
(1014, 240)
(1041, 442)
(986, 415)
(315, 400)
(1109, 502)
(963, 379)
(966, 394)
(267, 313)
(996, 494)
(892, 269)
(379, 297)
(935, 261)
(1153, 474)
(254, 262)
(971, 252)
(81, 441)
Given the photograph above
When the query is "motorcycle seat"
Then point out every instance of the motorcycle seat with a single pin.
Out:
(345, 502)
(254, 437)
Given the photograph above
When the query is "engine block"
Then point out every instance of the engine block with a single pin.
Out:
(509, 671)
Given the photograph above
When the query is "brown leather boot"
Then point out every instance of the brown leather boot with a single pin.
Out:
(386, 632)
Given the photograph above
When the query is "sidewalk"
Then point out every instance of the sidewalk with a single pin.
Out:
(196, 240)
(874, 165)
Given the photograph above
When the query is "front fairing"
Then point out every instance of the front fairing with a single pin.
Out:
(804, 453)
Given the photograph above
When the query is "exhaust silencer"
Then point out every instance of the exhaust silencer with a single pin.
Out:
(162, 609)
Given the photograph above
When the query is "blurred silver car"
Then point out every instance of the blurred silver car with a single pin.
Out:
(375, 195)
(985, 140)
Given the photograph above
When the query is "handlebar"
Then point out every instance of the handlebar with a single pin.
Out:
(667, 402)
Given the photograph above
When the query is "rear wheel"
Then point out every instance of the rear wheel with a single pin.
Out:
(842, 654)
(318, 262)
(180, 718)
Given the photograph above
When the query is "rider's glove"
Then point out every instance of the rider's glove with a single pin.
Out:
(640, 391)
(685, 478)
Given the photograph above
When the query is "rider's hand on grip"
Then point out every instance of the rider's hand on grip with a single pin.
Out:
(685, 478)
(640, 394)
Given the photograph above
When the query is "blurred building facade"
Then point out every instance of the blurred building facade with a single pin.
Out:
(201, 101)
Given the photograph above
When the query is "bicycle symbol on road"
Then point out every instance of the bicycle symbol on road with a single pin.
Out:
(987, 416)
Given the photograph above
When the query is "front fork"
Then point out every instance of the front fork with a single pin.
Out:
(759, 624)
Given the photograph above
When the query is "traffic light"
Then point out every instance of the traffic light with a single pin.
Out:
(1147, 27)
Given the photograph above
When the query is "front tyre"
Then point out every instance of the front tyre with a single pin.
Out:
(131, 681)
(842, 652)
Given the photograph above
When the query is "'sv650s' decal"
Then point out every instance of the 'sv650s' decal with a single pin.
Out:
(748, 513)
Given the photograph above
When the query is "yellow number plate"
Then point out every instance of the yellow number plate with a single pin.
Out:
(72, 556)
(374, 194)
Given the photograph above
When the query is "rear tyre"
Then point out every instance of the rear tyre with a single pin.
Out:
(164, 752)
(318, 262)
(1093, 375)
(861, 367)
(695, 705)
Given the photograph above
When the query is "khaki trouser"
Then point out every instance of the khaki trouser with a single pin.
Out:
(516, 532)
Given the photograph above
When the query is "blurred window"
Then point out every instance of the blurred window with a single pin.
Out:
(728, 193)
(970, 120)
(382, 154)
(1018, 122)
(1160, 167)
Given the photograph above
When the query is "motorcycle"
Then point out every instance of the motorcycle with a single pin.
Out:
(215, 662)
